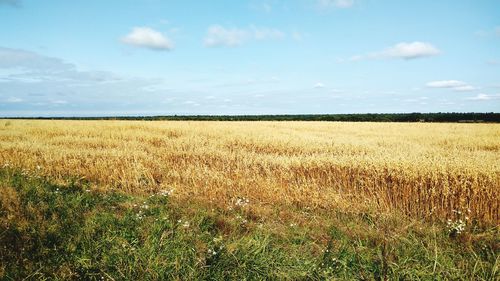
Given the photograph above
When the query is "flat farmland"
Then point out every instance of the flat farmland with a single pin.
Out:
(423, 170)
(249, 200)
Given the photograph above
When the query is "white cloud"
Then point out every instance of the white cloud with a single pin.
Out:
(218, 35)
(411, 50)
(59, 102)
(319, 85)
(403, 50)
(446, 84)
(466, 88)
(420, 100)
(193, 103)
(38, 80)
(148, 38)
(484, 97)
(455, 85)
(335, 3)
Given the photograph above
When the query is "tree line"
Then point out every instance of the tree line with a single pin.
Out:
(360, 117)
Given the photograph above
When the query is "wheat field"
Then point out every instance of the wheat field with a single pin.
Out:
(432, 171)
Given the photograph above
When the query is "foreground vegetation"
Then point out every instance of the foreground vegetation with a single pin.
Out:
(67, 231)
(248, 200)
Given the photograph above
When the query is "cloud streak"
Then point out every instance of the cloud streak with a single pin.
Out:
(16, 58)
(403, 50)
(335, 3)
(483, 97)
(14, 100)
(220, 36)
(458, 86)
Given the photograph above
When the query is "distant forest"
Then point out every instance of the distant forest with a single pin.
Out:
(365, 117)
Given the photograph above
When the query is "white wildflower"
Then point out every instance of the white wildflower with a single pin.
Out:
(166, 193)
(456, 227)
(242, 202)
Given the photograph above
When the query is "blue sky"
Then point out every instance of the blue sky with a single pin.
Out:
(151, 57)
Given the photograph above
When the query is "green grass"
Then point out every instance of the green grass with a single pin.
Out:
(50, 231)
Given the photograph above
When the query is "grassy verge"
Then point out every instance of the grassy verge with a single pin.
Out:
(68, 231)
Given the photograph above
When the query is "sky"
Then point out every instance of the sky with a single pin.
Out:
(155, 57)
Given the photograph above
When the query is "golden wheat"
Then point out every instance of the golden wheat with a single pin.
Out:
(423, 170)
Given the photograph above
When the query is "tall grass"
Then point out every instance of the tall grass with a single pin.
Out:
(50, 231)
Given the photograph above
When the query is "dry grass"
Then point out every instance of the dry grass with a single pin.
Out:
(423, 170)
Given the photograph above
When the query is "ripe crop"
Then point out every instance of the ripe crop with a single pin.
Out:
(433, 171)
